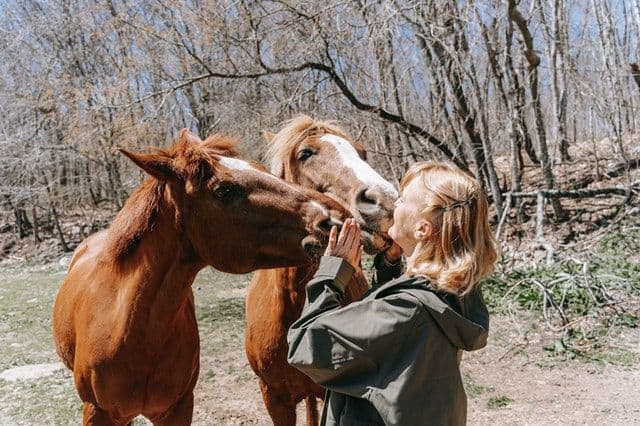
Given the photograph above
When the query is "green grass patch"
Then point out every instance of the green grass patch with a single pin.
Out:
(583, 297)
(229, 310)
(473, 389)
(499, 401)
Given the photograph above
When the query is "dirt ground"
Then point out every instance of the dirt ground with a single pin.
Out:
(514, 380)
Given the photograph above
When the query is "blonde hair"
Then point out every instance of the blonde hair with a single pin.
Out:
(463, 249)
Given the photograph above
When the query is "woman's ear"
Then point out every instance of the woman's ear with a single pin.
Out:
(424, 230)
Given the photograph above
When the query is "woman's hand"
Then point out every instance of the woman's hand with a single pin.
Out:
(347, 244)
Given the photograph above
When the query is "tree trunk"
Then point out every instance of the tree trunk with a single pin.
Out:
(36, 237)
(524, 139)
(514, 145)
(534, 61)
(557, 44)
(56, 221)
(635, 73)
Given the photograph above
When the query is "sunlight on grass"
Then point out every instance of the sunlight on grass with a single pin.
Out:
(26, 304)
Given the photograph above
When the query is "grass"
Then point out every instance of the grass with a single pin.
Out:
(473, 389)
(25, 318)
(230, 310)
(585, 297)
(26, 300)
(26, 303)
(499, 401)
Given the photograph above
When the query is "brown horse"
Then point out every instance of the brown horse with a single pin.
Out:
(124, 318)
(318, 155)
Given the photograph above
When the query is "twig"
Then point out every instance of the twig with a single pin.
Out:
(540, 228)
(504, 216)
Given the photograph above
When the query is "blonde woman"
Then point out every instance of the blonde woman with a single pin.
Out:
(393, 357)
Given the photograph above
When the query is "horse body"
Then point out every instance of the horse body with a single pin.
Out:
(281, 294)
(320, 156)
(124, 318)
(128, 346)
(282, 386)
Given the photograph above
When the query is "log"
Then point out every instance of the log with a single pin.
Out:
(576, 194)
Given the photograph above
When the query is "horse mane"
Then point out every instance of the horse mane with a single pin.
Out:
(136, 218)
(221, 145)
(140, 212)
(295, 130)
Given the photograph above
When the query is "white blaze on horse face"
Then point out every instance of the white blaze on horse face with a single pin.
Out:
(237, 164)
(363, 171)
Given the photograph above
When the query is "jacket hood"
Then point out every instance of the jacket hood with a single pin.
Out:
(464, 320)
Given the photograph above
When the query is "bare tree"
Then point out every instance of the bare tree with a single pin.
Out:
(412, 79)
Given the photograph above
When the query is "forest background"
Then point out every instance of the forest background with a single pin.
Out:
(538, 98)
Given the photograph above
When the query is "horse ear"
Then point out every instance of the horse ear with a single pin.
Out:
(268, 136)
(157, 165)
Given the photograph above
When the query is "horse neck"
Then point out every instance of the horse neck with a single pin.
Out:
(157, 275)
(290, 286)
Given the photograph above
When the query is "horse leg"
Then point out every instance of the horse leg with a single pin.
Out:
(179, 414)
(312, 410)
(94, 416)
(282, 412)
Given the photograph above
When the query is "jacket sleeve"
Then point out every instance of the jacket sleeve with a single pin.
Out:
(385, 271)
(342, 348)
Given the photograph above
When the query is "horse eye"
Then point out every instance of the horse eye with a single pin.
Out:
(223, 192)
(304, 154)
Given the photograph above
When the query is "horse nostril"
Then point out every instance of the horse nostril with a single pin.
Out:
(326, 224)
(367, 196)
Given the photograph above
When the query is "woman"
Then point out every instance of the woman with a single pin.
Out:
(393, 357)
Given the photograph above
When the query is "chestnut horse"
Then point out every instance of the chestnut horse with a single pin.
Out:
(124, 318)
(321, 156)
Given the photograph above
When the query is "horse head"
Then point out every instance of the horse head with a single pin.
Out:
(320, 155)
(235, 215)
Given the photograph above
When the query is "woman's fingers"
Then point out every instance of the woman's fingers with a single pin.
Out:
(347, 243)
(333, 235)
(331, 245)
(348, 234)
(352, 243)
(359, 256)
(343, 231)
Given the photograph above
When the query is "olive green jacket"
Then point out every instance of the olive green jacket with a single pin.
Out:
(392, 357)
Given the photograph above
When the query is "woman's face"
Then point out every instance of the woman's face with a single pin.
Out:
(406, 216)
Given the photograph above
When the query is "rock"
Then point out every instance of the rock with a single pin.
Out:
(32, 371)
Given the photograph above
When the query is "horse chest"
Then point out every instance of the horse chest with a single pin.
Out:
(142, 371)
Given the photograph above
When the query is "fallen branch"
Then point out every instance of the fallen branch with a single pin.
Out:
(581, 193)
(613, 172)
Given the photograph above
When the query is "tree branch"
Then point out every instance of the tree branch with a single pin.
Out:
(330, 71)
